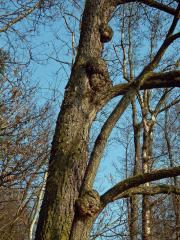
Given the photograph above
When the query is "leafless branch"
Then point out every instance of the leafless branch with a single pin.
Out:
(137, 180)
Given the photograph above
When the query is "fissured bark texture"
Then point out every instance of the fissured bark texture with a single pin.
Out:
(58, 219)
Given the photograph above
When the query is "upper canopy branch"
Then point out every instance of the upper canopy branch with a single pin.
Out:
(131, 182)
(159, 6)
(151, 3)
(154, 80)
(23, 15)
(152, 190)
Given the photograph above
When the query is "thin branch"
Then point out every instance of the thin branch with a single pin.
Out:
(101, 140)
(150, 191)
(153, 4)
(161, 102)
(137, 180)
(60, 61)
(21, 16)
(176, 101)
(159, 6)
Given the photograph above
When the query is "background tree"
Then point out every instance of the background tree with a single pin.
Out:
(145, 118)
(25, 133)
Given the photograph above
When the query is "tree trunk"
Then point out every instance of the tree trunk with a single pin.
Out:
(66, 170)
(69, 206)
(147, 162)
(137, 163)
(81, 228)
(133, 218)
(37, 208)
(59, 218)
(146, 219)
(146, 211)
(175, 199)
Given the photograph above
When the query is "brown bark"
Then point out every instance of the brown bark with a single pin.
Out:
(154, 80)
(131, 182)
(151, 191)
(70, 206)
(66, 170)
(133, 227)
(69, 153)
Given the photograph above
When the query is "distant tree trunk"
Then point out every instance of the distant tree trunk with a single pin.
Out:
(175, 199)
(147, 162)
(176, 205)
(137, 164)
(146, 219)
(133, 217)
(37, 208)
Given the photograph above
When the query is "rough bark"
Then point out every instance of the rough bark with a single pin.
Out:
(115, 192)
(69, 206)
(69, 155)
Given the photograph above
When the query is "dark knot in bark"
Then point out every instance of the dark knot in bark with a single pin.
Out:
(88, 204)
(97, 73)
(96, 65)
(106, 33)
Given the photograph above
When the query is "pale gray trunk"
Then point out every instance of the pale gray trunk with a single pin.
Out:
(147, 162)
(133, 226)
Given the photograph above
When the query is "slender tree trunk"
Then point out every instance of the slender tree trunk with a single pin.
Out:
(137, 163)
(37, 208)
(133, 217)
(146, 219)
(147, 161)
(175, 199)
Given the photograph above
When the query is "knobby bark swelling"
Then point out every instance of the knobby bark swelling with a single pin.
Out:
(70, 206)
(69, 155)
